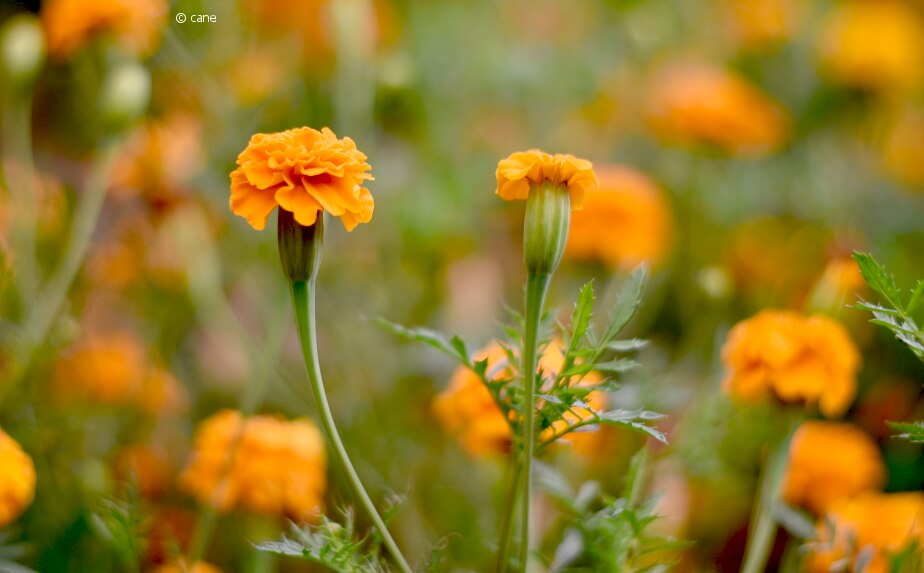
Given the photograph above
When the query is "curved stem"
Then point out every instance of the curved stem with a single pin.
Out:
(303, 295)
(762, 529)
(536, 287)
(506, 528)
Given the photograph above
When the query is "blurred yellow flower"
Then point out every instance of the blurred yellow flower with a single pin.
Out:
(305, 172)
(200, 567)
(523, 169)
(903, 150)
(873, 45)
(17, 480)
(467, 410)
(706, 105)
(624, 222)
(829, 462)
(145, 467)
(760, 23)
(135, 24)
(806, 360)
(875, 524)
(278, 467)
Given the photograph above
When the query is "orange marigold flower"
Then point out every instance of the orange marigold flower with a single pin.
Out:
(829, 462)
(523, 169)
(144, 466)
(135, 24)
(701, 104)
(17, 480)
(304, 171)
(876, 525)
(467, 410)
(808, 360)
(278, 467)
(624, 222)
(875, 46)
(200, 567)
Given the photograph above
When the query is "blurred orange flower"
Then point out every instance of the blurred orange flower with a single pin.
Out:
(135, 24)
(876, 524)
(278, 467)
(829, 462)
(112, 368)
(877, 46)
(145, 467)
(466, 408)
(904, 148)
(702, 104)
(624, 222)
(17, 480)
(200, 567)
(760, 23)
(807, 360)
(839, 285)
(523, 169)
(304, 171)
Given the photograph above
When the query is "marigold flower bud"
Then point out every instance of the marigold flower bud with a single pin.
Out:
(299, 246)
(126, 93)
(22, 49)
(548, 216)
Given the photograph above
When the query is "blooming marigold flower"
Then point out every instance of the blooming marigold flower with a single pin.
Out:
(303, 171)
(876, 525)
(808, 360)
(523, 169)
(466, 408)
(700, 104)
(876, 46)
(624, 222)
(17, 480)
(829, 462)
(135, 24)
(278, 467)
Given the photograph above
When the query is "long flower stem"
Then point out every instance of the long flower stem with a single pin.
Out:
(762, 529)
(536, 287)
(506, 528)
(303, 298)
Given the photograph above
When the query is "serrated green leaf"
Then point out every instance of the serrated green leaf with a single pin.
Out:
(454, 347)
(917, 296)
(628, 345)
(913, 432)
(877, 278)
(616, 366)
(630, 298)
(580, 318)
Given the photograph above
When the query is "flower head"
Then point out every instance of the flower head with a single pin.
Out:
(624, 222)
(303, 171)
(807, 360)
(524, 169)
(278, 467)
(17, 480)
(874, 525)
(876, 46)
(829, 462)
(699, 104)
(135, 24)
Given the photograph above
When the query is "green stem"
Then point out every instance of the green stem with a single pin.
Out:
(506, 528)
(762, 529)
(536, 287)
(303, 298)
(19, 172)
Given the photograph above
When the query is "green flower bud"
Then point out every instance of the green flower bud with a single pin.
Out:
(548, 216)
(299, 246)
(125, 95)
(22, 50)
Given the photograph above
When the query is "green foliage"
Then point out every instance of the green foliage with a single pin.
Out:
(122, 524)
(564, 398)
(11, 552)
(606, 534)
(333, 545)
(896, 314)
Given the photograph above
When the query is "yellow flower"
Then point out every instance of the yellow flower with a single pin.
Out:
(624, 222)
(805, 360)
(829, 462)
(135, 24)
(467, 410)
(904, 148)
(701, 104)
(523, 169)
(875, 524)
(305, 172)
(17, 480)
(278, 467)
(876, 46)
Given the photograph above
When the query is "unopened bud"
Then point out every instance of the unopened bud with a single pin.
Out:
(548, 216)
(299, 246)
(22, 50)
(125, 95)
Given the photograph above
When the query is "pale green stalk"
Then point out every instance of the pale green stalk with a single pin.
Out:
(507, 515)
